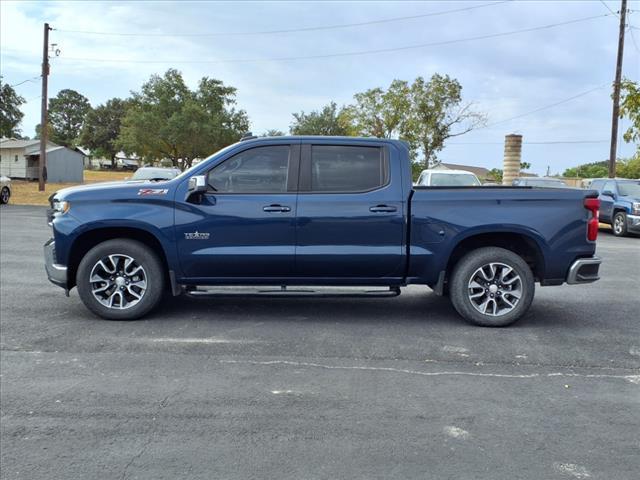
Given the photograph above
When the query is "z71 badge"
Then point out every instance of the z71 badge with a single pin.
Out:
(196, 236)
(153, 191)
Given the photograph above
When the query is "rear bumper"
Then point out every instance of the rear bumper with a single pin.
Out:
(633, 223)
(57, 273)
(584, 270)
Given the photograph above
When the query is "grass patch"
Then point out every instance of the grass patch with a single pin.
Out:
(24, 192)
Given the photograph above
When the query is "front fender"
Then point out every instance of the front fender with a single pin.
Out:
(154, 217)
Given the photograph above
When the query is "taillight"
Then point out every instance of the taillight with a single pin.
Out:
(593, 205)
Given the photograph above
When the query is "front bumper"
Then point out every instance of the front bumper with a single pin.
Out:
(57, 273)
(584, 270)
(633, 223)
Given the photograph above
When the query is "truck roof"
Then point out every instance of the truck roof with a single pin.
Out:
(324, 139)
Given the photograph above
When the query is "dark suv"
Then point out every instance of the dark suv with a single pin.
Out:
(619, 204)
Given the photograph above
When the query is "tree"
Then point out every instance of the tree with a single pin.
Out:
(102, 127)
(625, 168)
(496, 174)
(273, 132)
(10, 114)
(328, 121)
(630, 108)
(438, 113)
(525, 165)
(67, 113)
(168, 120)
(383, 114)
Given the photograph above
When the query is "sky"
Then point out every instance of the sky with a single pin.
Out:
(555, 81)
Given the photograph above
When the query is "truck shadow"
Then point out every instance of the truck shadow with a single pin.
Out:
(410, 309)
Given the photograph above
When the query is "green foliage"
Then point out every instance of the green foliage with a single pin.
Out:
(67, 114)
(496, 174)
(102, 127)
(525, 165)
(630, 108)
(168, 120)
(10, 114)
(380, 113)
(628, 168)
(273, 132)
(424, 114)
(328, 121)
(588, 170)
(625, 168)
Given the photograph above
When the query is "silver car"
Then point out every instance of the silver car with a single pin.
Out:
(5, 189)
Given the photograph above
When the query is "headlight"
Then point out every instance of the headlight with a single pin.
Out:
(61, 206)
(636, 208)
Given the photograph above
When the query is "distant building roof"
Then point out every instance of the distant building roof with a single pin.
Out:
(16, 143)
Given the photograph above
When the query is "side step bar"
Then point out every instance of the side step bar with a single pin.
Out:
(286, 291)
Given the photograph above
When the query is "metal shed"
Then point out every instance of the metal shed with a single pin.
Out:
(64, 165)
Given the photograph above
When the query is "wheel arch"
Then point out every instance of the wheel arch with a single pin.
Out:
(90, 238)
(522, 244)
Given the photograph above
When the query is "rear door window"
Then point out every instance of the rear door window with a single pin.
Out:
(347, 169)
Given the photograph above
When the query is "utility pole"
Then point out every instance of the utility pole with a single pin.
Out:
(616, 93)
(42, 161)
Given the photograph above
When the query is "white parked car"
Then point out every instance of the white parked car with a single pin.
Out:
(447, 178)
(5, 189)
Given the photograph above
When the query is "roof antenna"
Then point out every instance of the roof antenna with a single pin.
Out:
(248, 136)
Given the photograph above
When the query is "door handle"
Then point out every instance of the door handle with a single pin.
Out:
(276, 208)
(382, 209)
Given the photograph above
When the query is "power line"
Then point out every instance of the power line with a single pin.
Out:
(293, 30)
(346, 54)
(633, 39)
(25, 81)
(551, 105)
(550, 142)
(608, 7)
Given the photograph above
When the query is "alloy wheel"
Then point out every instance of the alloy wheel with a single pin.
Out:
(118, 281)
(495, 289)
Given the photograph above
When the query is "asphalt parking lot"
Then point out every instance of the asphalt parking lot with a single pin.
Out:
(317, 388)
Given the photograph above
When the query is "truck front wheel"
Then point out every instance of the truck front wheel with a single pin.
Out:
(120, 279)
(492, 287)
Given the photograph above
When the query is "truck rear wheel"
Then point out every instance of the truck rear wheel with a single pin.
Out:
(492, 287)
(120, 279)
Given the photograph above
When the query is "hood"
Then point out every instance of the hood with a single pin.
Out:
(109, 190)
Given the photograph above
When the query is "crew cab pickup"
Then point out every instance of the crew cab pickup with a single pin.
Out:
(291, 215)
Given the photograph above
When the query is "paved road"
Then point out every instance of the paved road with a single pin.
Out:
(317, 388)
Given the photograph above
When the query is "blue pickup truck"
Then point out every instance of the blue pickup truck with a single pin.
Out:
(292, 215)
(619, 204)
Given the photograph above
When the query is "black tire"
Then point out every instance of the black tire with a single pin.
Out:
(144, 257)
(619, 224)
(5, 194)
(465, 272)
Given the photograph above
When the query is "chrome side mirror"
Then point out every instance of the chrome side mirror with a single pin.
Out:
(197, 184)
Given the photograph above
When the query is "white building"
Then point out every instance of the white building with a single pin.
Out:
(19, 159)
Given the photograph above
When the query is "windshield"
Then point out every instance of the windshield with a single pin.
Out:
(189, 171)
(153, 173)
(629, 189)
(453, 180)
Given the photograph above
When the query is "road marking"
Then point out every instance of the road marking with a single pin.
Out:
(204, 341)
(629, 378)
(460, 351)
(456, 432)
(635, 350)
(285, 392)
(572, 469)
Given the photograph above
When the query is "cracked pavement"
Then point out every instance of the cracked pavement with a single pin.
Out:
(316, 388)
